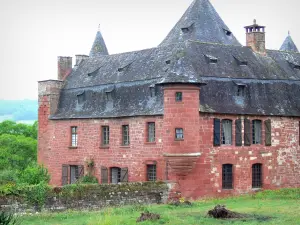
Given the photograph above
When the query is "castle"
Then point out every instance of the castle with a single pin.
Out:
(201, 110)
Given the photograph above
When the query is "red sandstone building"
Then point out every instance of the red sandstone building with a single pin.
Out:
(200, 109)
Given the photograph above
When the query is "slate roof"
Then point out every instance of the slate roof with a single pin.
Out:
(99, 47)
(122, 85)
(201, 22)
(289, 45)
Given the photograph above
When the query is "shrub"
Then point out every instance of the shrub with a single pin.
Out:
(7, 177)
(88, 179)
(34, 174)
(8, 218)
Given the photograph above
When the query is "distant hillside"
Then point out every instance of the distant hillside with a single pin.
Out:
(18, 110)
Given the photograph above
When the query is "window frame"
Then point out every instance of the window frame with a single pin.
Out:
(151, 172)
(125, 135)
(256, 127)
(105, 134)
(74, 136)
(182, 134)
(257, 175)
(224, 141)
(227, 177)
(178, 96)
(151, 133)
(118, 175)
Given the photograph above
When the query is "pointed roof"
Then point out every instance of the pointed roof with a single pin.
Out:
(99, 47)
(201, 22)
(289, 45)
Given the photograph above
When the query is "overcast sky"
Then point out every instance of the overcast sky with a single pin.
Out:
(35, 32)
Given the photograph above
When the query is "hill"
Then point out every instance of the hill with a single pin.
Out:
(18, 110)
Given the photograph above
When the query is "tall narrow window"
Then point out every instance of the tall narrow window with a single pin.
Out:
(151, 172)
(227, 176)
(178, 96)
(125, 134)
(115, 175)
(256, 132)
(179, 134)
(151, 132)
(74, 174)
(105, 135)
(226, 132)
(256, 175)
(74, 137)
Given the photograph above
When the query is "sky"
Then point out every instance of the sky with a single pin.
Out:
(35, 32)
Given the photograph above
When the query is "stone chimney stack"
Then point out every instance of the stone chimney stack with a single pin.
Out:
(64, 67)
(79, 59)
(255, 37)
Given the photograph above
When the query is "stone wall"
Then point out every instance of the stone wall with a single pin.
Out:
(90, 197)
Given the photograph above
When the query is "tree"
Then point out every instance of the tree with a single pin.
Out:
(11, 127)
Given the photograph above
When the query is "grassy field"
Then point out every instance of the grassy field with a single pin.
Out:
(264, 208)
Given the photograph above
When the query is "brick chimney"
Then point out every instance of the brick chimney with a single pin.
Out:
(255, 37)
(64, 67)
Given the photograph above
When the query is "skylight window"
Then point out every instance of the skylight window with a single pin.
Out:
(211, 59)
(168, 62)
(227, 32)
(94, 73)
(124, 67)
(187, 28)
(241, 61)
(294, 64)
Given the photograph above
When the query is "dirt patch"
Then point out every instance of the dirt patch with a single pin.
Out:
(220, 212)
(148, 216)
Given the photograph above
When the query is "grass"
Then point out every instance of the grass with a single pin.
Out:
(278, 207)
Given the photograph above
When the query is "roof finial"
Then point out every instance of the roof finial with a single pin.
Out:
(254, 21)
(289, 33)
(99, 27)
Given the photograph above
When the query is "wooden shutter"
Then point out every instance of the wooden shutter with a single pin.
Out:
(65, 175)
(268, 130)
(124, 174)
(217, 128)
(81, 171)
(247, 132)
(104, 175)
(238, 132)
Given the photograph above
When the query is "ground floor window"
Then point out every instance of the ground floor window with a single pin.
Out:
(115, 175)
(227, 176)
(151, 172)
(256, 175)
(71, 173)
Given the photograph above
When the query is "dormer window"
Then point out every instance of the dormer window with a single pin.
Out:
(168, 62)
(124, 67)
(81, 97)
(241, 91)
(227, 32)
(240, 61)
(187, 28)
(152, 91)
(294, 64)
(108, 93)
(211, 59)
(94, 73)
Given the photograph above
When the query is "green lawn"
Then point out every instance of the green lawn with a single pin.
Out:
(263, 210)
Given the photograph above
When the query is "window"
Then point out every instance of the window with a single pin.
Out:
(152, 91)
(178, 96)
(115, 173)
(211, 59)
(256, 176)
(227, 32)
(151, 132)
(74, 174)
(178, 133)
(151, 172)
(74, 137)
(81, 98)
(241, 91)
(71, 173)
(105, 135)
(125, 132)
(268, 133)
(227, 176)
(226, 132)
(256, 132)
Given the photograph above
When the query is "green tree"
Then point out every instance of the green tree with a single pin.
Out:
(34, 174)
(11, 127)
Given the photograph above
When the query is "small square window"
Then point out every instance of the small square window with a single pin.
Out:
(179, 134)
(178, 96)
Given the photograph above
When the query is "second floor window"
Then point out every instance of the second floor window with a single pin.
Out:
(178, 96)
(178, 133)
(125, 134)
(226, 132)
(74, 137)
(105, 135)
(256, 132)
(151, 132)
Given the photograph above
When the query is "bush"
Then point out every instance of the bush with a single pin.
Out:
(88, 179)
(8, 177)
(34, 174)
(7, 219)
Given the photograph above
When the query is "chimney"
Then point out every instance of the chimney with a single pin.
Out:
(64, 66)
(255, 37)
(80, 58)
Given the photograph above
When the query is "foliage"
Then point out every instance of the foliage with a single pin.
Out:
(8, 176)
(7, 218)
(11, 127)
(36, 194)
(88, 179)
(16, 152)
(34, 174)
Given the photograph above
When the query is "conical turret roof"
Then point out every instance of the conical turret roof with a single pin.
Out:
(289, 45)
(99, 47)
(201, 22)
